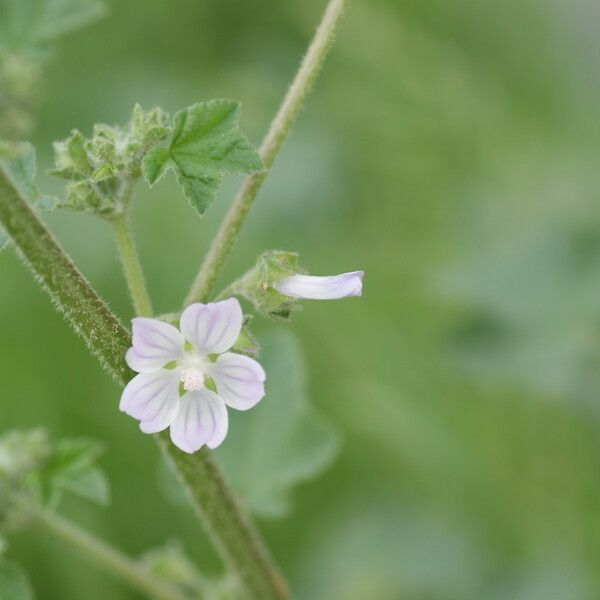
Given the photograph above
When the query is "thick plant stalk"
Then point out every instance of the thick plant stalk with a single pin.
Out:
(239, 545)
(106, 556)
(280, 127)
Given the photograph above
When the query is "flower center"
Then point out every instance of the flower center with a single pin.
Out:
(192, 379)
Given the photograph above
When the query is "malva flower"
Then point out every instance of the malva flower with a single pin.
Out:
(311, 287)
(187, 376)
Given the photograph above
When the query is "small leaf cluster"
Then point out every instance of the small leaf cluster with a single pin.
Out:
(200, 144)
(102, 169)
(257, 284)
(35, 472)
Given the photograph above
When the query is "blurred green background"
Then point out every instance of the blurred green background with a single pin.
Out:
(449, 150)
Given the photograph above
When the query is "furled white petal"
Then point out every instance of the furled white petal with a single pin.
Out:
(212, 328)
(152, 398)
(239, 380)
(321, 288)
(201, 419)
(155, 344)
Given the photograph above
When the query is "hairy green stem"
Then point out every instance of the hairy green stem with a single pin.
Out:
(281, 126)
(106, 556)
(238, 543)
(132, 267)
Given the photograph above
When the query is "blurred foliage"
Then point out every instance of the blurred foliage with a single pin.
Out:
(450, 151)
(35, 472)
(283, 441)
(18, 162)
(14, 584)
(27, 27)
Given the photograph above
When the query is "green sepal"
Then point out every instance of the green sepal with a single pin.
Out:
(257, 284)
(246, 343)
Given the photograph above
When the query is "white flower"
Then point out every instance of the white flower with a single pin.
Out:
(169, 360)
(321, 288)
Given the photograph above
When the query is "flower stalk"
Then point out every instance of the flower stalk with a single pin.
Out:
(280, 127)
(112, 559)
(132, 266)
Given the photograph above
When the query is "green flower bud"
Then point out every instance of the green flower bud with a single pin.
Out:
(257, 284)
(101, 169)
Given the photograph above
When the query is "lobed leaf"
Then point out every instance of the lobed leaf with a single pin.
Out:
(206, 143)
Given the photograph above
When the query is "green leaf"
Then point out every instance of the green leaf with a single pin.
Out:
(282, 441)
(200, 191)
(206, 143)
(155, 164)
(72, 467)
(90, 484)
(14, 583)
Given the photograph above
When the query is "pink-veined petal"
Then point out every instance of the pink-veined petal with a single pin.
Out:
(212, 328)
(239, 380)
(152, 398)
(221, 421)
(201, 419)
(321, 288)
(155, 344)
